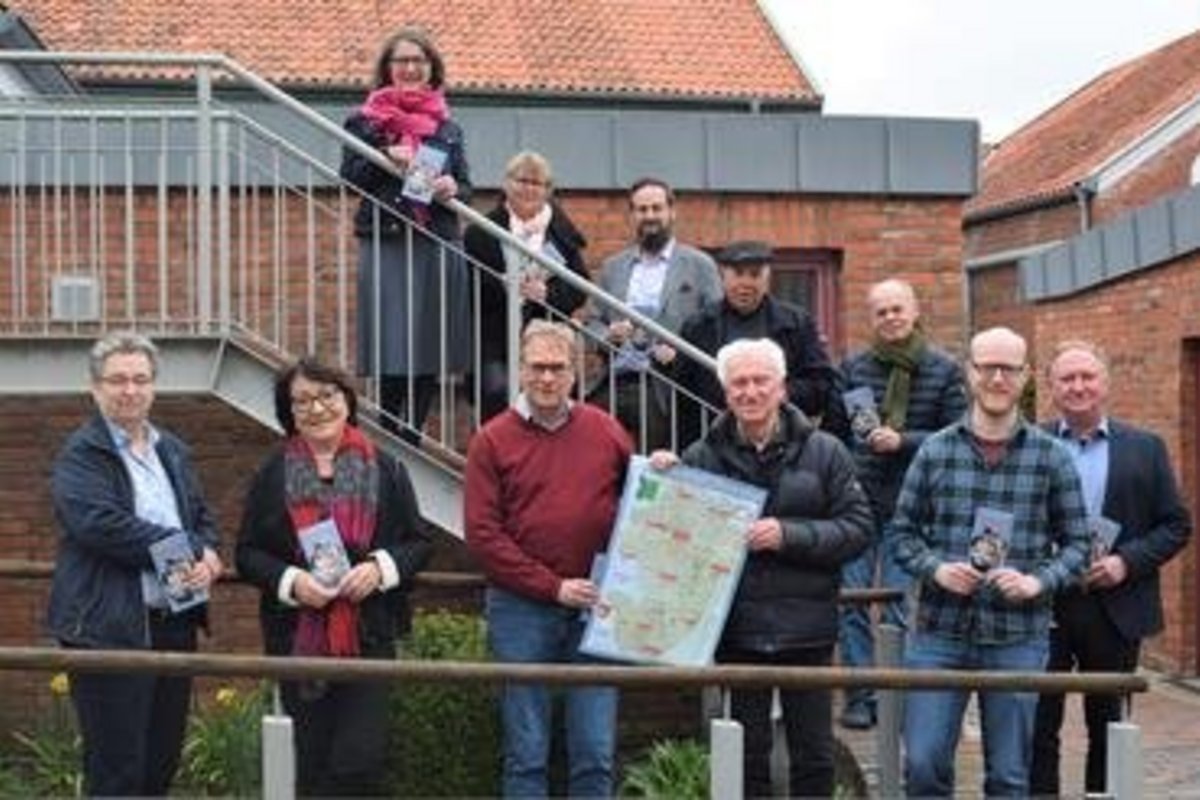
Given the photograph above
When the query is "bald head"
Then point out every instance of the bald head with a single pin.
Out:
(1000, 339)
(894, 311)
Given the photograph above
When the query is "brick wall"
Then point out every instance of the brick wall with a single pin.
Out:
(1149, 325)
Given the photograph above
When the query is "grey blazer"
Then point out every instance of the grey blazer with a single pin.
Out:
(692, 282)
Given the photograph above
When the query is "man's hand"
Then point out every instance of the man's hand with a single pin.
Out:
(619, 331)
(663, 353)
(764, 534)
(958, 577)
(310, 592)
(205, 572)
(360, 581)
(1014, 585)
(578, 593)
(663, 459)
(884, 440)
(1107, 572)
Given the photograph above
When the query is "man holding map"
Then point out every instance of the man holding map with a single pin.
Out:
(816, 518)
(542, 483)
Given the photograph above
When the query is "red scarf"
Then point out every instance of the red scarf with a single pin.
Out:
(351, 502)
(406, 116)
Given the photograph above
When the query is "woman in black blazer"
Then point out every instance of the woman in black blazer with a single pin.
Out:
(527, 211)
(330, 535)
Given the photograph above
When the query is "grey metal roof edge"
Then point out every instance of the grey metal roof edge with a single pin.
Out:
(44, 78)
(1181, 239)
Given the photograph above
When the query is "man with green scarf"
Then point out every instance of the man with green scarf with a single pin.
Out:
(912, 389)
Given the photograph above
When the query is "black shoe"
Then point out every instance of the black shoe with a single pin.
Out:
(858, 717)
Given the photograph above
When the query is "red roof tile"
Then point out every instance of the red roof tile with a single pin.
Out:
(703, 48)
(1070, 140)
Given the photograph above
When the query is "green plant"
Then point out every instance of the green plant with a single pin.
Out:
(53, 751)
(222, 751)
(672, 768)
(445, 737)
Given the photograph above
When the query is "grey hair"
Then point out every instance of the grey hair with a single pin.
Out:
(544, 328)
(121, 342)
(765, 348)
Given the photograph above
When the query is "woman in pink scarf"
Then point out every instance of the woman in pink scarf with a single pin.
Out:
(413, 291)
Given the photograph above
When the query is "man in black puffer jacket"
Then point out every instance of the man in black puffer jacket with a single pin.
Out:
(816, 518)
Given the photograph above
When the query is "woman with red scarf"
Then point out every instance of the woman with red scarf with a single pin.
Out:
(328, 489)
(416, 287)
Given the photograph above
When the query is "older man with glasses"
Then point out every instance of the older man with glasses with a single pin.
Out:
(121, 485)
(991, 523)
(542, 484)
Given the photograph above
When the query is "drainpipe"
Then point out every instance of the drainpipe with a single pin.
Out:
(1084, 191)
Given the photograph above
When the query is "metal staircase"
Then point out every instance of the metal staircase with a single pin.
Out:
(213, 233)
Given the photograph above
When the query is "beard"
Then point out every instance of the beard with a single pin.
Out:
(653, 236)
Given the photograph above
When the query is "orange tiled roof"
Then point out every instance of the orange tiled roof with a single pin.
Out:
(1070, 140)
(702, 48)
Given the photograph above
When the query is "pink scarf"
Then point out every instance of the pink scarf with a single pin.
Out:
(406, 116)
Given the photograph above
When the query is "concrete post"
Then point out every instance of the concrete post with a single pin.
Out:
(889, 652)
(1125, 778)
(725, 755)
(278, 755)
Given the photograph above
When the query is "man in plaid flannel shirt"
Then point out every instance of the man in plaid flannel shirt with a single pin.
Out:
(991, 470)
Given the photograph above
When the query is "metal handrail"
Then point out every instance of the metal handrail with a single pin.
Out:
(40, 570)
(53, 659)
(201, 60)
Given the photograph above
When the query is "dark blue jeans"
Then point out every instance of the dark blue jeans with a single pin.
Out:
(521, 630)
(856, 637)
(132, 725)
(933, 719)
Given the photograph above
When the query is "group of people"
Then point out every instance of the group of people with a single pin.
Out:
(891, 489)
(416, 300)
(121, 484)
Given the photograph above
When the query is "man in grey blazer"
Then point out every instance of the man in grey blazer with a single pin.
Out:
(664, 279)
(1131, 494)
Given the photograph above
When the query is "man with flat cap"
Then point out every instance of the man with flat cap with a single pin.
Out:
(748, 311)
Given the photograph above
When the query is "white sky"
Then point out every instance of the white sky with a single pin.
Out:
(999, 61)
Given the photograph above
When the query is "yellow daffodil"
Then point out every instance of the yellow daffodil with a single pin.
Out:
(226, 696)
(60, 684)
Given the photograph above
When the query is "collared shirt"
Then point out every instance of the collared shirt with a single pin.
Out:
(522, 407)
(646, 282)
(1091, 460)
(1036, 482)
(153, 496)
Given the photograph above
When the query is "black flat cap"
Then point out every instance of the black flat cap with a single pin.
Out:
(748, 253)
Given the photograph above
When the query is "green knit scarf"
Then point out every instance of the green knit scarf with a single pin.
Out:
(903, 358)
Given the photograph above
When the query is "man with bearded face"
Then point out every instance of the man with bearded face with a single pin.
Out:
(665, 280)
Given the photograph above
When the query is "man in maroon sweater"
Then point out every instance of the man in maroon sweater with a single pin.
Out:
(542, 486)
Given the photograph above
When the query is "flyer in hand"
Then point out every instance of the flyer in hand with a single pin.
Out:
(673, 565)
(173, 560)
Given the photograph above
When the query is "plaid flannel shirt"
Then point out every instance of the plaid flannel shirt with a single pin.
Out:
(1036, 482)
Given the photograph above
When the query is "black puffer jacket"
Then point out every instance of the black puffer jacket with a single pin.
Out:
(788, 599)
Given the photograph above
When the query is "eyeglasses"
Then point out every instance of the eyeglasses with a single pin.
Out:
(409, 61)
(1008, 372)
(120, 381)
(555, 369)
(526, 181)
(327, 398)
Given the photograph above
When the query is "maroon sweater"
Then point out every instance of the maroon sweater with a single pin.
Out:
(540, 504)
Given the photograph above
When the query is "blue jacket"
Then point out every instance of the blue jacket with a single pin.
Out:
(96, 595)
